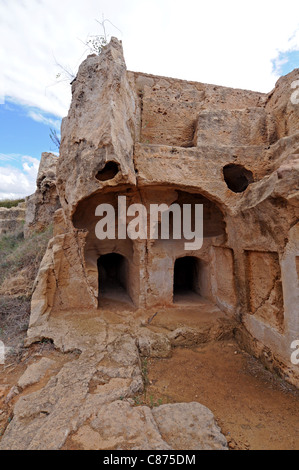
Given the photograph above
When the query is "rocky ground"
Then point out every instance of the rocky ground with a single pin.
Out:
(88, 402)
(154, 384)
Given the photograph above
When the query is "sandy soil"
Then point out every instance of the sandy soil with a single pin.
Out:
(254, 408)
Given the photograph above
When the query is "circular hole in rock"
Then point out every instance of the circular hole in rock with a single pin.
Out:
(110, 170)
(237, 177)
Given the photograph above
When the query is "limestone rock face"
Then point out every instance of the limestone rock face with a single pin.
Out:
(115, 301)
(62, 256)
(158, 140)
(250, 126)
(283, 103)
(45, 201)
(99, 132)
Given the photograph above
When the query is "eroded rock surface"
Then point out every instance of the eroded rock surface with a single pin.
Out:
(160, 140)
(88, 403)
(35, 372)
(168, 427)
(157, 140)
(45, 201)
(198, 430)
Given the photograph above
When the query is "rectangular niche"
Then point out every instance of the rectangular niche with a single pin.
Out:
(265, 297)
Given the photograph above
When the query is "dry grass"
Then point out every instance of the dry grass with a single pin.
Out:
(17, 254)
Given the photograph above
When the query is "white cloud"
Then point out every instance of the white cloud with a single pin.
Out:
(37, 34)
(16, 183)
(39, 117)
(13, 157)
(231, 43)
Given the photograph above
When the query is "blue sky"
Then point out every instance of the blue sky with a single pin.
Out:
(229, 43)
(24, 135)
(20, 133)
(286, 62)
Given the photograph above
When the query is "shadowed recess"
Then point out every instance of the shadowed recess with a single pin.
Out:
(190, 280)
(110, 170)
(237, 177)
(184, 274)
(112, 276)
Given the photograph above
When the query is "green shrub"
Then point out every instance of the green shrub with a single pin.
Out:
(9, 203)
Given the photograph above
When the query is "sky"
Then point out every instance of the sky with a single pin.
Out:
(233, 43)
